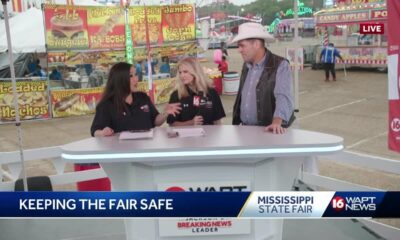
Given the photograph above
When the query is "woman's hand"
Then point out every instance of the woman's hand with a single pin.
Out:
(173, 109)
(197, 120)
(106, 132)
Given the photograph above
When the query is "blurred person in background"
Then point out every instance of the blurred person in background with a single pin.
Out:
(328, 58)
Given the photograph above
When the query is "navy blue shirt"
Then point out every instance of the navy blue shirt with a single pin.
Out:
(140, 115)
(329, 54)
(209, 107)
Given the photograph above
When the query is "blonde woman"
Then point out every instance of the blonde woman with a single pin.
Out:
(200, 102)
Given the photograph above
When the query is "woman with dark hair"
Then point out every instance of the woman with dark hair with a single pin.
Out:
(124, 108)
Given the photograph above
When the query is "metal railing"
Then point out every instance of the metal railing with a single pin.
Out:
(12, 162)
(361, 160)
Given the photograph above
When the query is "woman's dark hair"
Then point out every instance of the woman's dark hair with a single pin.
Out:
(118, 86)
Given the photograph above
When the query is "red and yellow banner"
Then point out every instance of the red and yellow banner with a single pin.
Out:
(106, 27)
(32, 100)
(76, 27)
(138, 23)
(178, 22)
(66, 27)
(73, 102)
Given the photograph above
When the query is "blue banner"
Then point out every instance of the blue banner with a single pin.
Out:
(121, 204)
(364, 204)
(200, 204)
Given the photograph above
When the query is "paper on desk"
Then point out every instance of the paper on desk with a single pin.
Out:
(136, 135)
(189, 132)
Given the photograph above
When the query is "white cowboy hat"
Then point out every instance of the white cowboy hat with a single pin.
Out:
(252, 30)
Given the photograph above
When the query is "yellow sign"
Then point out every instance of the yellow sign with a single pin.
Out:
(32, 100)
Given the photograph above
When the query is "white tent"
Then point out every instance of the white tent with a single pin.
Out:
(79, 2)
(27, 32)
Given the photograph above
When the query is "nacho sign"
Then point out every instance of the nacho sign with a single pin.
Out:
(32, 100)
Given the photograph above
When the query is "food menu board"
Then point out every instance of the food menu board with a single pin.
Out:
(66, 27)
(95, 28)
(75, 102)
(106, 27)
(32, 100)
(138, 25)
(178, 22)
(72, 58)
(70, 102)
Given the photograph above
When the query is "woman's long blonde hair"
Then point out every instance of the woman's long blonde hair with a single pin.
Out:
(201, 81)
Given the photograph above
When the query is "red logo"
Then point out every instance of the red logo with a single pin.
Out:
(175, 189)
(196, 101)
(338, 203)
(372, 28)
(395, 125)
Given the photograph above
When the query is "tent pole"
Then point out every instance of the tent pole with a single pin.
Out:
(296, 56)
(15, 96)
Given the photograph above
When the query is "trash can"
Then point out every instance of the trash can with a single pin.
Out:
(231, 83)
(101, 184)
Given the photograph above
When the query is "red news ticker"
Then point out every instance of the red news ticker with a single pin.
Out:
(372, 28)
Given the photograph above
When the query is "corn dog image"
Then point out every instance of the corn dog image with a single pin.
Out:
(66, 102)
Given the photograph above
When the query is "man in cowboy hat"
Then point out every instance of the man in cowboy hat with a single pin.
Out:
(265, 95)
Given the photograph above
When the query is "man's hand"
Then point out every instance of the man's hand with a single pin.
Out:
(275, 127)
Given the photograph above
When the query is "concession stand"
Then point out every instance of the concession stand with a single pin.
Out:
(248, 159)
(343, 26)
(83, 42)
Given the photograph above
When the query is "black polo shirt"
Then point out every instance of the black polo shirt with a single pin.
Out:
(209, 107)
(139, 115)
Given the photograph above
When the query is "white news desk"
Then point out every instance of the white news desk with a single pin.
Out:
(228, 157)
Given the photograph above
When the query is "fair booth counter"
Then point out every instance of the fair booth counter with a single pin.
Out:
(226, 155)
